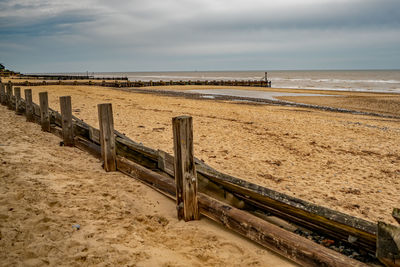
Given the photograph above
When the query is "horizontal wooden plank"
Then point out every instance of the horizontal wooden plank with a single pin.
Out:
(165, 162)
(155, 180)
(90, 147)
(290, 245)
(138, 153)
(56, 131)
(309, 213)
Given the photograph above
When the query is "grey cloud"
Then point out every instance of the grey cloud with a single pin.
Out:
(220, 34)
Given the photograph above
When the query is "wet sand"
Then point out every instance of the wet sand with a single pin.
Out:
(346, 162)
(382, 103)
(48, 191)
(373, 102)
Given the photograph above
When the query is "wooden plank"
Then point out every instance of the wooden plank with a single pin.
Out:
(56, 131)
(89, 132)
(66, 117)
(90, 147)
(165, 162)
(388, 244)
(36, 112)
(153, 179)
(55, 117)
(2, 94)
(107, 138)
(307, 214)
(396, 214)
(18, 102)
(299, 249)
(44, 111)
(137, 153)
(184, 169)
(28, 105)
(94, 134)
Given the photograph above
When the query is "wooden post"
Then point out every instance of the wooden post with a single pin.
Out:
(396, 214)
(44, 111)
(28, 105)
(185, 172)
(9, 95)
(17, 94)
(107, 138)
(66, 120)
(2, 94)
(388, 244)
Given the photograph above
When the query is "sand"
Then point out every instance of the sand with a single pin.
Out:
(373, 102)
(346, 162)
(383, 104)
(47, 190)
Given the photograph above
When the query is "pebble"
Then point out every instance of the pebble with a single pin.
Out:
(339, 246)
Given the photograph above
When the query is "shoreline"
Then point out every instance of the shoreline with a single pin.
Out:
(280, 100)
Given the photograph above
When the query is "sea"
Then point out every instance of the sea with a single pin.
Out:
(346, 80)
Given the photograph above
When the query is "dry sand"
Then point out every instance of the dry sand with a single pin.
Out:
(45, 189)
(346, 162)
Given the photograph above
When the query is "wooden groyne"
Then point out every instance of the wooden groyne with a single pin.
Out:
(66, 77)
(124, 82)
(199, 189)
(121, 83)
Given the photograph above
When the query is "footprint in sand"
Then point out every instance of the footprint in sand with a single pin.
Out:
(234, 249)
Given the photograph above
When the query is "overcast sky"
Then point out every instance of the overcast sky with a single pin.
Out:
(163, 35)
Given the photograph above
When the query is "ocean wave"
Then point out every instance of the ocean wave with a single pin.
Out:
(349, 89)
(334, 80)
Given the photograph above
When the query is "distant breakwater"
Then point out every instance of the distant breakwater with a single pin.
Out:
(126, 83)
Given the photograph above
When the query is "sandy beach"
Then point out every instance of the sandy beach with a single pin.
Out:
(47, 192)
(343, 161)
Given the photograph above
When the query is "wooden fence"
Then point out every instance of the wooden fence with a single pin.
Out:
(199, 189)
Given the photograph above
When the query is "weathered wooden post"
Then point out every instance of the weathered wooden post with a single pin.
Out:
(396, 214)
(9, 96)
(185, 172)
(66, 120)
(2, 94)
(44, 111)
(388, 244)
(28, 105)
(18, 107)
(107, 138)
